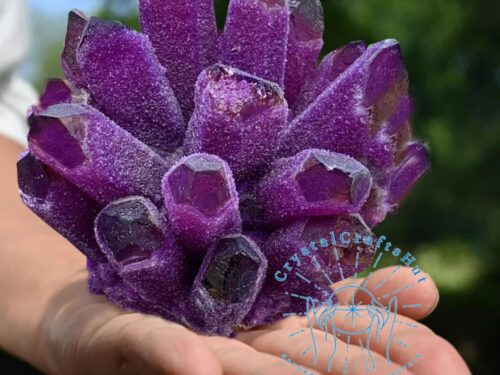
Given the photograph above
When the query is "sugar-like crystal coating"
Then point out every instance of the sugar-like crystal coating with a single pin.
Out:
(201, 201)
(304, 45)
(331, 67)
(313, 183)
(184, 35)
(255, 38)
(284, 165)
(95, 154)
(415, 164)
(227, 284)
(299, 245)
(238, 117)
(124, 76)
(343, 113)
(140, 247)
(60, 204)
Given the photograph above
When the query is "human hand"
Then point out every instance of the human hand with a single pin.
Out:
(84, 334)
(411, 340)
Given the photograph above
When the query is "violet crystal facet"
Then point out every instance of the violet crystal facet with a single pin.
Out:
(313, 183)
(140, 246)
(238, 117)
(201, 201)
(194, 169)
(255, 38)
(227, 284)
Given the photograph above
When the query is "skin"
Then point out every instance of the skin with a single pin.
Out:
(51, 321)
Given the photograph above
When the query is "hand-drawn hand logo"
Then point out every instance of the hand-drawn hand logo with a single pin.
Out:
(376, 319)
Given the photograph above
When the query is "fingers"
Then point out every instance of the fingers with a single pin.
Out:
(317, 350)
(400, 340)
(381, 331)
(140, 344)
(437, 356)
(415, 300)
(237, 358)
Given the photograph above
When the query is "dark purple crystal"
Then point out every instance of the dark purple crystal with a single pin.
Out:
(60, 204)
(227, 284)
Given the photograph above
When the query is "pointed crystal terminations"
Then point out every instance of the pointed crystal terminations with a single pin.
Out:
(313, 183)
(201, 201)
(60, 204)
(77, 24)
(318, 250)
(414, 165)
(398, 163)
(59, 91)
(95, 154)
(255, 38)
(305, 41)
(331, 67)
(278, 154)
(56, 91)
(140, 246)
(119, 68)
(237, 117)
(184, 35)
(353, 107)
(227, 284)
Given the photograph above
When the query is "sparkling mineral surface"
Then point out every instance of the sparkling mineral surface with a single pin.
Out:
(313, 183)
(227, 284)
(201, 201)
(198, 171)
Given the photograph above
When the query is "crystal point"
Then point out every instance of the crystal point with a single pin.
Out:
(313, 183)
(201, 201)
(227, 284)
(56, 91)
(77, 141)
(129, 85)
(331, 67)
(184, 35)
(255, 38)
(59, 203)
(238, 117)
(349, 111)
(77, 24)
(140, 246)
(128, 230)
(304, 45)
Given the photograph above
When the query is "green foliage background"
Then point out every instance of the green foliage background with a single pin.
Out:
(452, 218)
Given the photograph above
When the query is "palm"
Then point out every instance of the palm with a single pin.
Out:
(85, 334)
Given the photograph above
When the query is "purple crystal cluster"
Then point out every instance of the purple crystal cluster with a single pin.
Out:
(188, 164)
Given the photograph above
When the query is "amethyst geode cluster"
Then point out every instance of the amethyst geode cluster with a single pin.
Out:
(188, 166)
